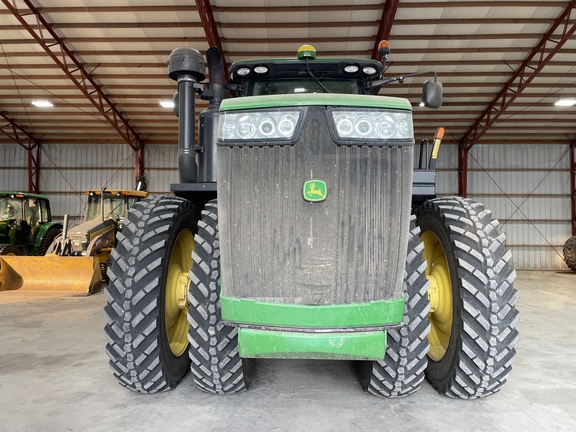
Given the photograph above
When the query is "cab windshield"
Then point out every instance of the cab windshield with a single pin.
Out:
(10, 209)
(113, 206)
(300, 85)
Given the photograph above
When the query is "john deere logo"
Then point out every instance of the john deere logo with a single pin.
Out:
(315, 190)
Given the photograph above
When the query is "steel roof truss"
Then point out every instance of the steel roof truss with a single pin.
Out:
(75, 71)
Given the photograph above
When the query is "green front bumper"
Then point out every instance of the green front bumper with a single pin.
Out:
(330, 331)
(327, 346)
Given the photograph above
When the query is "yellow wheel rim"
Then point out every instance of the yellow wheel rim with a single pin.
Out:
(177, 283)
(439, 294)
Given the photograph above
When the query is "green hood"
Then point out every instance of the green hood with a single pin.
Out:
(318, 99)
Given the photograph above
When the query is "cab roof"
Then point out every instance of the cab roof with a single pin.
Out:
(23, 194)
(295, 68)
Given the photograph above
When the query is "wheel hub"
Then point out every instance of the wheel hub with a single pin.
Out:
(182, 291)
(176, 302)
(439, 295)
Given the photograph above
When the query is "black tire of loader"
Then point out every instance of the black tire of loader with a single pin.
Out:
(484, 317)
(402, 371)
(216, 363)
(138, 347)
(570, 253)
(48, 239)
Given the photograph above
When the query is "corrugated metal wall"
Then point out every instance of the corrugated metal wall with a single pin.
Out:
(527, 187)
(67, 171)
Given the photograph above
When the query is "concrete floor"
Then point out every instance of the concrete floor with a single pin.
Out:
(54, 376)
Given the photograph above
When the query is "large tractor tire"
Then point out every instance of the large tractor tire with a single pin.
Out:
(402, 371)
(216, 363)
(473, 313)
(8, 249)
(146, 323)
(48, 239)
(570, 253)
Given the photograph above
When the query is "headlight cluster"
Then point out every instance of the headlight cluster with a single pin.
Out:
(373, 125)
(258, 125)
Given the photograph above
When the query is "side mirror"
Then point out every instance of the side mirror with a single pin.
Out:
(432, 94)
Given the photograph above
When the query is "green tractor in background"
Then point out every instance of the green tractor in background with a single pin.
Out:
(26, 226)
(300, 229)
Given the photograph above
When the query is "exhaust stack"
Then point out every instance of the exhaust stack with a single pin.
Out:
(187, 67)
(208, 119)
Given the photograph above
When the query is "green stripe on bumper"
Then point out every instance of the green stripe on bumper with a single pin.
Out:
(376, 313)
(325, 346)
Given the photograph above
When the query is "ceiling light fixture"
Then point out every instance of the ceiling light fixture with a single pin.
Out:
(565, 102)
(167, 103)
(41, 103)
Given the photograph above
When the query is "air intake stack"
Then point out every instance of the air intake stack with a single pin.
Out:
(187, 67)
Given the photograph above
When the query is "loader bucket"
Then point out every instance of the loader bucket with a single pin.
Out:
(67, 275)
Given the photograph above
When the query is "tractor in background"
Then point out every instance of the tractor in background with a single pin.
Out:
(26, 226)
(77, 258)
(300, 229)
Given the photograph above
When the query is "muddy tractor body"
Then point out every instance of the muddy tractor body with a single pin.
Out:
(300, 229)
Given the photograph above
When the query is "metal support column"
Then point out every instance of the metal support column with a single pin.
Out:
(573, 186)
(462, 170)
(32, 146)
(34, 167)
(139, 164)
(386, 23)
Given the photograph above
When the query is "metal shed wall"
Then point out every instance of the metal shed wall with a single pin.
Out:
(527, 187)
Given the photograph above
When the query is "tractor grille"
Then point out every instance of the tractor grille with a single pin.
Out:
(78, 242)
(277, 247)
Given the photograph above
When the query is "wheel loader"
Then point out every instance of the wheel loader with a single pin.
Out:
(301, 229)
(77, 258)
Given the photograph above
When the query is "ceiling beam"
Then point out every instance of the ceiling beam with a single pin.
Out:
(387, 13)
(75, 71)
(187, 39)
(522, 77)
(252, 54)
(385, 25)
(259, 41)
(291, 9)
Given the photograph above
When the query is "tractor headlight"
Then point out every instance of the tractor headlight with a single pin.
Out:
(260, 125)
(372, 125)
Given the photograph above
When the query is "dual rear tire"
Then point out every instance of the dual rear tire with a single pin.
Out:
(163, 319)
(471, 314)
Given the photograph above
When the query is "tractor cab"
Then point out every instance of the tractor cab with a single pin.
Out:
(305, 74)
(116, 203)
(21, 216)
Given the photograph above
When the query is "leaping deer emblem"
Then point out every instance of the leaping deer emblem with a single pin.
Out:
(313, 191)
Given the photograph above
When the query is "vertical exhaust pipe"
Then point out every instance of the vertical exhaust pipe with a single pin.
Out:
(208, 119)
(187, 67)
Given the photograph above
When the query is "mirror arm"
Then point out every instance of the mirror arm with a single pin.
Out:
(400, 78)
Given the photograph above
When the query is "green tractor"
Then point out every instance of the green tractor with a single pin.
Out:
(26, 226)
(301, 230)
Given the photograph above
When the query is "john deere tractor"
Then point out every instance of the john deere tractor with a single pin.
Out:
(300, 229)
(26, 226)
